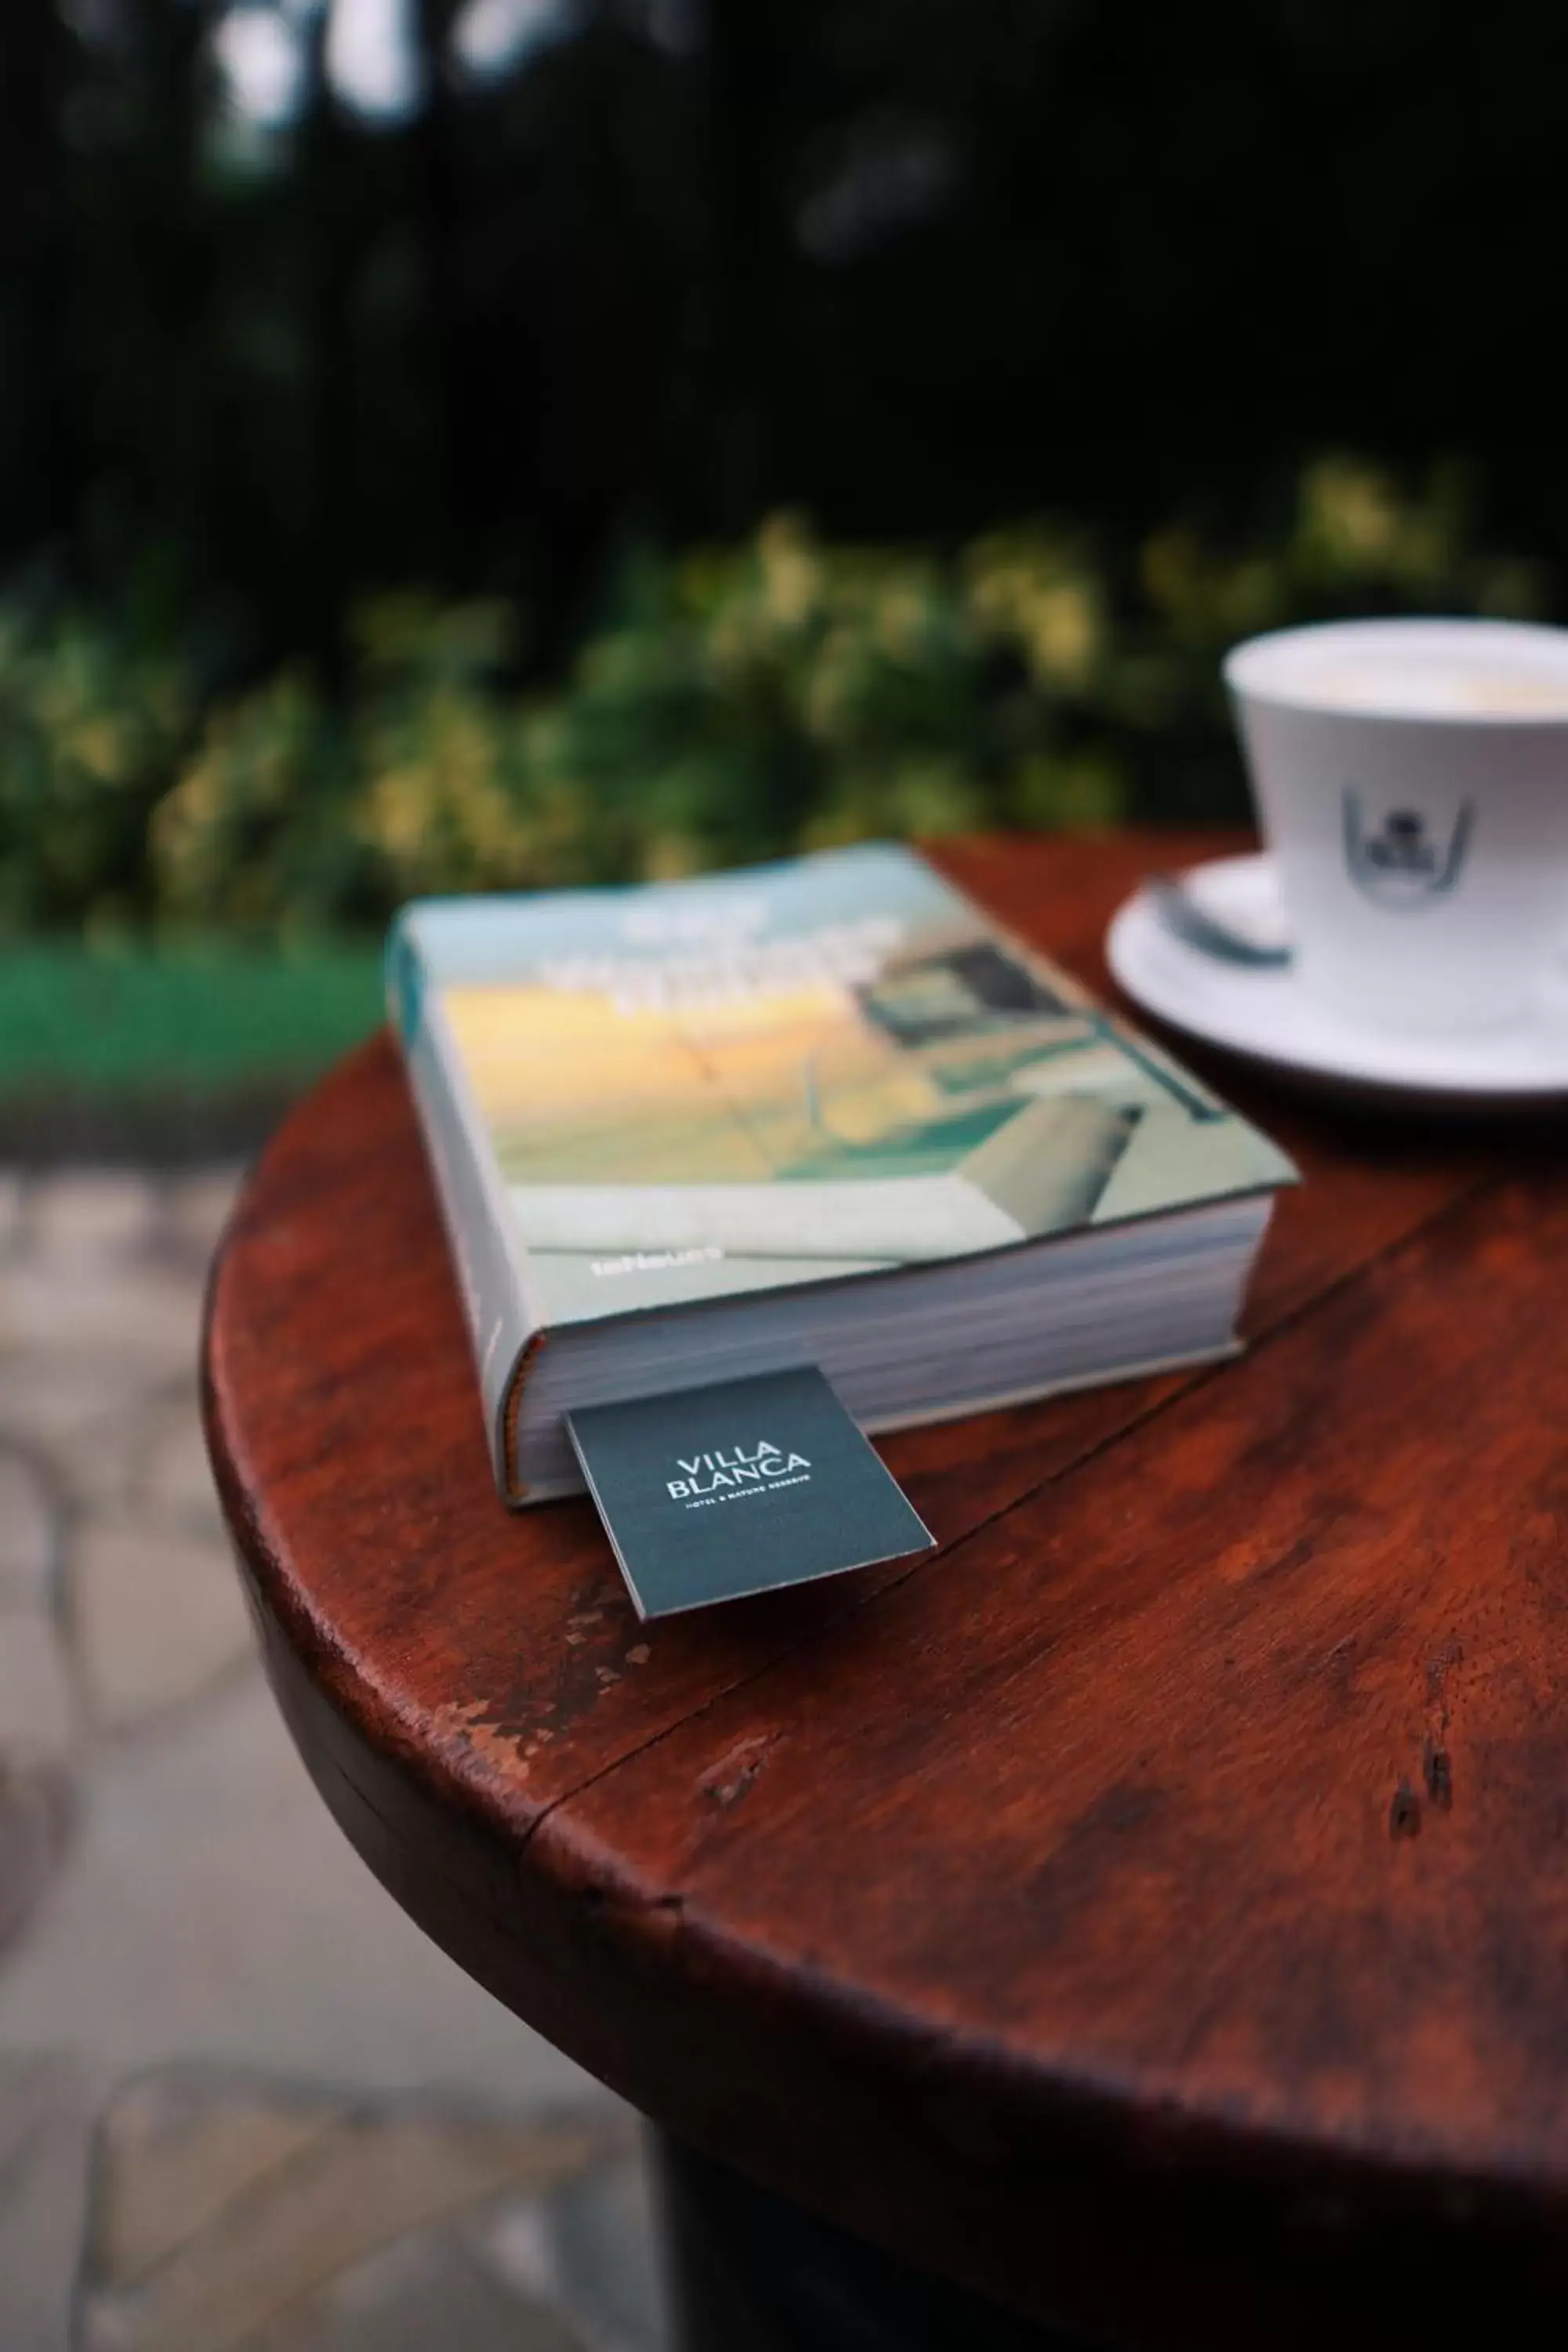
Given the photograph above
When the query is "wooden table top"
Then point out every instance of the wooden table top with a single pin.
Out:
(1152, 1908)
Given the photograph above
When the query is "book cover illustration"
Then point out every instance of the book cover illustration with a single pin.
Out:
(798, 1072)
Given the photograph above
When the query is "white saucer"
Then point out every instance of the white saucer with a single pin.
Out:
(1259, 1011)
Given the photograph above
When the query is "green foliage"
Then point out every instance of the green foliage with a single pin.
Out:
(252, 835)
(91, 724)
(942, 262)
(734, 703)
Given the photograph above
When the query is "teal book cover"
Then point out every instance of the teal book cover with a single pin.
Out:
(790, 1075)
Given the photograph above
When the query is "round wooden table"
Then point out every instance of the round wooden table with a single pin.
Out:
(1148, 1915)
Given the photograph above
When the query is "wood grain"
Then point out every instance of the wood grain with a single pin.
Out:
(1176, 1856)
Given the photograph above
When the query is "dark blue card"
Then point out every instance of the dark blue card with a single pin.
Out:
(740, 1487)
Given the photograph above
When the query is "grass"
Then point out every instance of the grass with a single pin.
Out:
(207, 1021)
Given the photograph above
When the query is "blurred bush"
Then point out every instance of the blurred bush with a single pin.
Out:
(733, 703)
(324, 294)
(92, 724)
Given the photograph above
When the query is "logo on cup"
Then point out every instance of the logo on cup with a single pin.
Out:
(1403, 866)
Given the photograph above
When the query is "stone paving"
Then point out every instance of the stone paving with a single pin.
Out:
(245, 2105)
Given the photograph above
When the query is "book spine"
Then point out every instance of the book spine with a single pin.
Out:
(486, 1255)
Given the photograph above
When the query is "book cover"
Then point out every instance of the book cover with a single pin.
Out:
(819, 1068)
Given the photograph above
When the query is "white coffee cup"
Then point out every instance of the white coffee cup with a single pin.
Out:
(1411, 778)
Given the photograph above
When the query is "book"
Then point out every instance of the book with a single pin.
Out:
(822, 1113)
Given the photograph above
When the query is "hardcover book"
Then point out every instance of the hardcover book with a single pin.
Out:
(820, 1113)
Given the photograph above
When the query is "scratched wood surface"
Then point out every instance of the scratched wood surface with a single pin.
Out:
(1152, 1908)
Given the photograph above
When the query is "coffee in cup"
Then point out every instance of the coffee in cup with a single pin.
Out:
(1411, 778)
